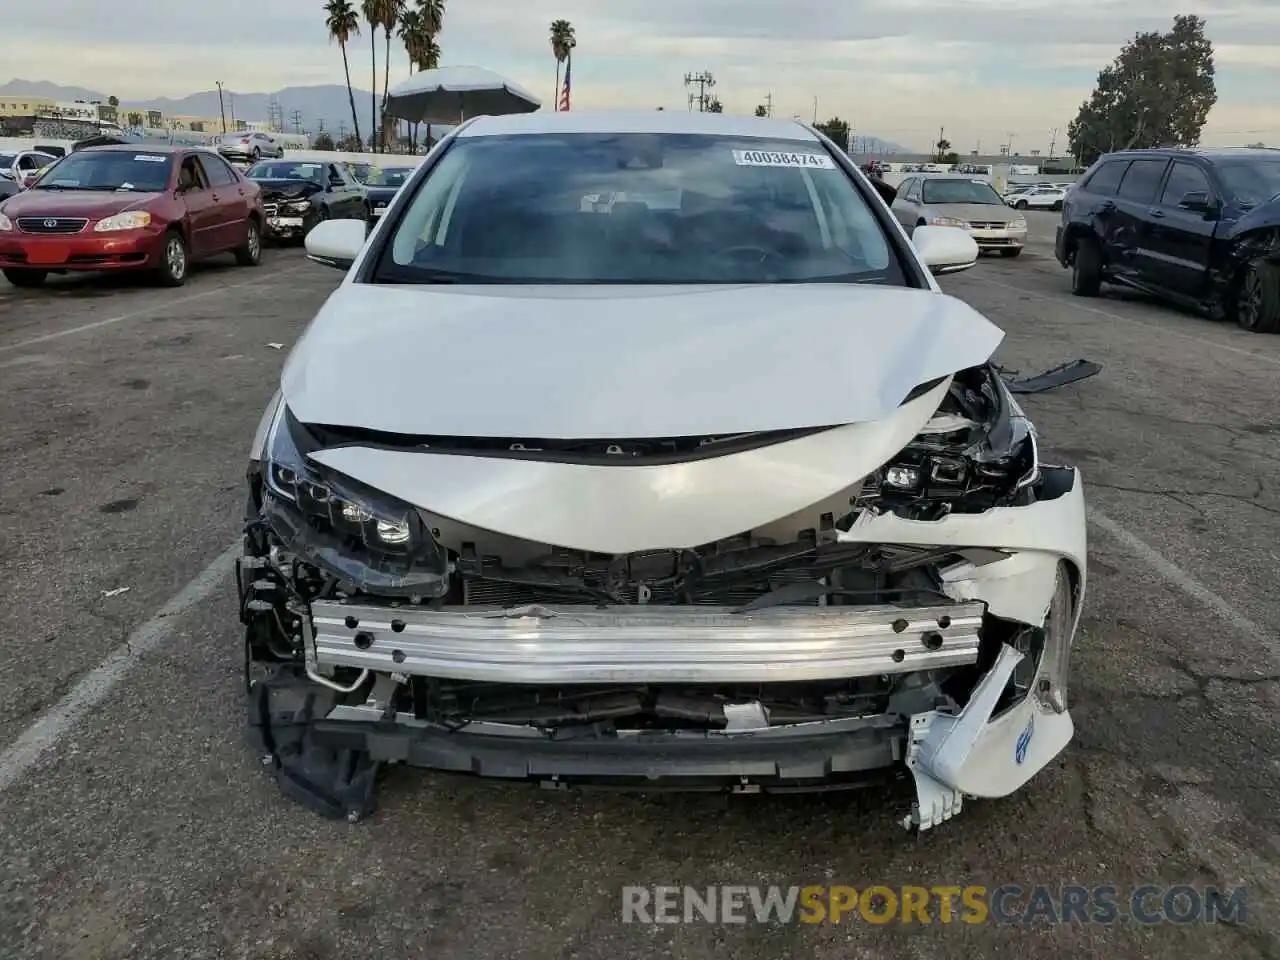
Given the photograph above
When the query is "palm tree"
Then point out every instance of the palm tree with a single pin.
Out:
(562, 43)
(373, 10)
(414, 36)
(391, 11)
(432, 13)
(343, 24)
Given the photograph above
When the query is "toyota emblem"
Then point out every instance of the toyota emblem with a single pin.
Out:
(51, 223)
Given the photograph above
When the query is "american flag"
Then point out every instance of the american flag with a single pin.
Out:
(564, 96)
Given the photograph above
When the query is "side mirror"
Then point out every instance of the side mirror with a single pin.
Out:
(887, 192)
(1198, 201)
(943, 249)
(336, 243)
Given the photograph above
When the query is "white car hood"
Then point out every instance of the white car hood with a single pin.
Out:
(618, 362)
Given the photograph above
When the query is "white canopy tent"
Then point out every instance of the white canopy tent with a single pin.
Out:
(452, 94)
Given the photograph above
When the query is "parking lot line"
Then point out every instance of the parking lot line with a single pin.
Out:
(1174, 575)
(1163, 331)
(164, 304)
(94, 687)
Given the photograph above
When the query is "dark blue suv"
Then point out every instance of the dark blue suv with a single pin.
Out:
(1197, 227)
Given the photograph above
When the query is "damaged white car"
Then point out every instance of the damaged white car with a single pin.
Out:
(708, 488)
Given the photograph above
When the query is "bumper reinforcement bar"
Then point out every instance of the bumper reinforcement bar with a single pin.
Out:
(636, 644)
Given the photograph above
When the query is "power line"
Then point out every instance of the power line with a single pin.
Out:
(296, 117)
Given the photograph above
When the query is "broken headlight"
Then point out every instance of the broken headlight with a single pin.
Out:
(367, 538)
(978, 451)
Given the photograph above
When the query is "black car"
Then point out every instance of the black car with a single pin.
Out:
(298, 194)
(1200, 228)
(382, 184)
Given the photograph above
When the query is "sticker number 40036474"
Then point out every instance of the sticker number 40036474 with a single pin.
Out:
(764, 158)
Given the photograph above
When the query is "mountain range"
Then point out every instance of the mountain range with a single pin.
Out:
(327, 103)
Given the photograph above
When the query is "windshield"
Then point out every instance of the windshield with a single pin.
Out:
(282, 170)
(6, 160)
(1251, 182)
(637, 208)
(234, 137)
(108, 170)
(360, 171)
(394, 177)
(959, 191)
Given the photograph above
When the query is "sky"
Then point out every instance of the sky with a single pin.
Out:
(896, 69)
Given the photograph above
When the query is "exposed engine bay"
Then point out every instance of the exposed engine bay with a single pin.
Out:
(369, 610)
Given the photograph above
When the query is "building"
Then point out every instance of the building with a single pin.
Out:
(21, 105)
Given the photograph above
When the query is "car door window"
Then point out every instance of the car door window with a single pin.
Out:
(191, 177)
(1184, 178)
(219, 173)
(1141, 180)
(1106, 179)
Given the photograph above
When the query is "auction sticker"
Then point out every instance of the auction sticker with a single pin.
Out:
(151, 157)
(764, 158)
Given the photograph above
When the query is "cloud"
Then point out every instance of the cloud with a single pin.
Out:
(898, 69)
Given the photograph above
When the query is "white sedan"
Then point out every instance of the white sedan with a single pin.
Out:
(720, 492)
(1038, 198)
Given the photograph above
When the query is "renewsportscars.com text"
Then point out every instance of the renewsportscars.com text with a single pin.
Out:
(878, 904)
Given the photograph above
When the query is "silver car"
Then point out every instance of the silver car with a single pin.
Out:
(961, 202)
(252, 145)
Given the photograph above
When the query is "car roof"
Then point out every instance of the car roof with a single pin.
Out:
(640, 121)
(137, 148)
(1206, 153)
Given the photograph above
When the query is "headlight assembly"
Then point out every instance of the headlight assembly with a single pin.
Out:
(5, 224)
(131, 220)
(978, 451)
(297, 206)
(358, 534)
(948, 222)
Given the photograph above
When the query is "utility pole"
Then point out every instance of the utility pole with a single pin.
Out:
(704, 81)
(221, 110)
(1053, 141)
(768, 104)
(815, 111)
(296, 116)
(1011, 136)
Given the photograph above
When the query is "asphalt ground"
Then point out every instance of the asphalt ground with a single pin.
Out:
(135, 822)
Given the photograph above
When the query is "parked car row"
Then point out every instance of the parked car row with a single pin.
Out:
(155, 209)
(1198, 228)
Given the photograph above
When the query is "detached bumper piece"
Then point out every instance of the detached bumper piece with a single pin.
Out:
(636, 644)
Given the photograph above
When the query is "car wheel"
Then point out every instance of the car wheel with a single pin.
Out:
(1257, 302)
(1057, 207)
(250, 253)
(1011, 252)
(1086, 269)
(26, 278)
(257, 155)
(1021, 205)
(174, 260)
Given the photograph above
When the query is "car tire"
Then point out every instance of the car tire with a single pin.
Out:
(26, 278)
(1056, 208)
(1011, 252)
(256, 155)
(1086, 269)
(175, 260)
(1021, 205)
(249, 254)
(1256, 306)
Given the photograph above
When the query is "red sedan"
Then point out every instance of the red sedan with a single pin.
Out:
(130, 207)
